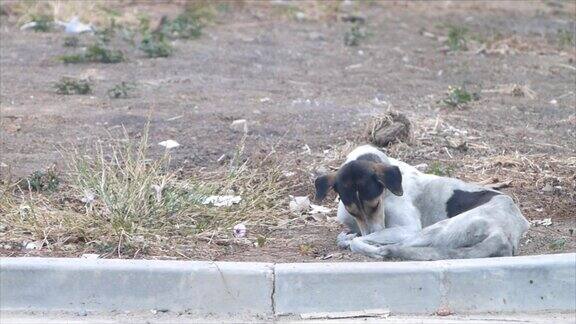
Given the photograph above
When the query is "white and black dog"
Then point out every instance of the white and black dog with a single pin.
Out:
(395, 211)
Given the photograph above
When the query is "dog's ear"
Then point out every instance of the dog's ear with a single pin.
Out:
(323, 183)
(391, 177)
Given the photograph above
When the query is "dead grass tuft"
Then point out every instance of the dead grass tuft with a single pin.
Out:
(122, 201)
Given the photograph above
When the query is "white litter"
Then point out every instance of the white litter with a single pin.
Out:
(239, 230)
(89, 197)
(74, 26)
(90, 256)
(239, 125)
(317, 209)
(299, 205)
(32, 246)
(28, 25)
(542, 222)
(169, 144)
(265, 99)
(363, 313)
(222, 201)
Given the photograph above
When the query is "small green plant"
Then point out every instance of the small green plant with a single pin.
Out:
(42, 23)
(71, 41)
(459, 96)
(106, 34)
(188, 24)
(354, 35)
(565, 38)
(95, 53)
(42, 181)
(558, 244)
(70, 86)
(120, 90)
(438, 169)
(457, 38)
(155, 46)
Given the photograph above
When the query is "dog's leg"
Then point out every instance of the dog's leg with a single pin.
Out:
(369, 244)
(493, 246)
(345, 218)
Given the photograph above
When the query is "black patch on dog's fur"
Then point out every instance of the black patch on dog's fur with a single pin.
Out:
(462, 201)
(371, 157)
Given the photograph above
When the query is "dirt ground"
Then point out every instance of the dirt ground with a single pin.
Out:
(299, 86)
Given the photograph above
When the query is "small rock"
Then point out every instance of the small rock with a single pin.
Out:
(443, 311)
(554, 102)
(239, 125)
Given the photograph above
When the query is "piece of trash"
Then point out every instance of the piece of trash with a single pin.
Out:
(351, 314)
(265, 99)
(169, 144)
(221, 158)
(541, 222)
(388, 128)
(90, 256)
(317, 209)
(554, 102)
(28, 25)
(174, 118)
(89, 197)
(239, 125)
(222, 201)
(307, 149)
(239, 230)
(289, 174)
(33, 245)
(74, 26)
(299, 204)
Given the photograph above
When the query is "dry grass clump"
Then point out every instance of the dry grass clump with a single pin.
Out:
(389, 128)
(120, 201)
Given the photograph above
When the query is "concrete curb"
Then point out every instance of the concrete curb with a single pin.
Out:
(516, 284)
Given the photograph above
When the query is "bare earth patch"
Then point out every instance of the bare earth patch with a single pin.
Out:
(307, 99)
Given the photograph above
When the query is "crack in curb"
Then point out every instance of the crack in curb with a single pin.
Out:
(272, 295)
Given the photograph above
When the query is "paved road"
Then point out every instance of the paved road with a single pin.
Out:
(49, 318)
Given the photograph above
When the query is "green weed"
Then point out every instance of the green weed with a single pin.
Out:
(438, 169)
(155, 46)
(96, 54)
(457, 38)
(42, 181)
(70, 86)
(354, 35)
(71, 41)
(459, 96)
(44, 23)
(120, 90)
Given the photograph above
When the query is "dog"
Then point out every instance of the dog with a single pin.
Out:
(393, 210)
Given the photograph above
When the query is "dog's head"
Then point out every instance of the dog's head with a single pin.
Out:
(362, 186)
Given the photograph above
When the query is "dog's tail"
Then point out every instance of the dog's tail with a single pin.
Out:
(492, 246)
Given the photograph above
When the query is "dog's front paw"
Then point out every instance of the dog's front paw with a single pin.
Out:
(385, 251)
(344, 239)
